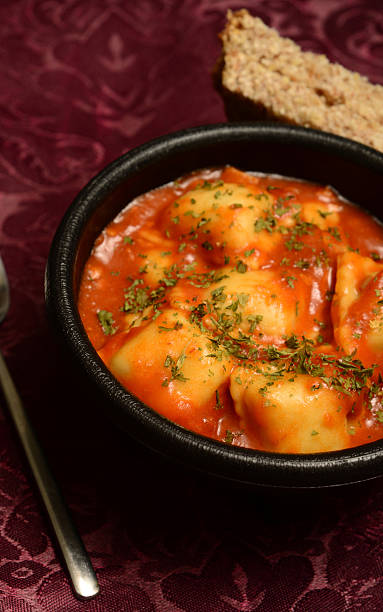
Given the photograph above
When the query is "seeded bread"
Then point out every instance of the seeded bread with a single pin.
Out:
(264, 76)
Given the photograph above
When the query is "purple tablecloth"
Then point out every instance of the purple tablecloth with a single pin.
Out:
(81, 83)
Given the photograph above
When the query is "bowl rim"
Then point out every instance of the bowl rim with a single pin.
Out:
(242, 465)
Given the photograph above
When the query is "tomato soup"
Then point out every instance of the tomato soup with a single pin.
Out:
(246, 308)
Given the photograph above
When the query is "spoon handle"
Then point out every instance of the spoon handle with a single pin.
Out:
(80, 569)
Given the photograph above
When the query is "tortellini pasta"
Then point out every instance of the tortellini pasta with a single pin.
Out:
(227, 218)
(290, 416)
(358, 306)
(178, 359)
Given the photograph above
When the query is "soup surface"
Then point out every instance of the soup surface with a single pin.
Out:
(246, 308)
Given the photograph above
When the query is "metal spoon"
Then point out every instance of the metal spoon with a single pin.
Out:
(80, 569)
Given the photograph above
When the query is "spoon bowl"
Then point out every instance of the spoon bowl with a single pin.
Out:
(80, 569)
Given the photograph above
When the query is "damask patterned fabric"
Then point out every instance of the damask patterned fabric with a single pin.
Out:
(81, 83)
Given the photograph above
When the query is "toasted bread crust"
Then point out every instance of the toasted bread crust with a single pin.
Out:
(262, 75)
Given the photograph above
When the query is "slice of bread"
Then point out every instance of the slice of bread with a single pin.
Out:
(264, 76)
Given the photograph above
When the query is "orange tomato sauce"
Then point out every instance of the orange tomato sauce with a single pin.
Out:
(246, 308)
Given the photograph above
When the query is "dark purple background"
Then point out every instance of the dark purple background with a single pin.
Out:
(82, 82)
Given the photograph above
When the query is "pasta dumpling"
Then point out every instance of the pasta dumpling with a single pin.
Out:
(289, 414)
(226, 219)
(167, 361)
(269, 304)
(357, 307)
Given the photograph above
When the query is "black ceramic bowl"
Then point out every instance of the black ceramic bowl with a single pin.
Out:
(354, 170)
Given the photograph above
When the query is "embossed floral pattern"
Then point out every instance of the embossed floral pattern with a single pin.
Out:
(81, 83)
